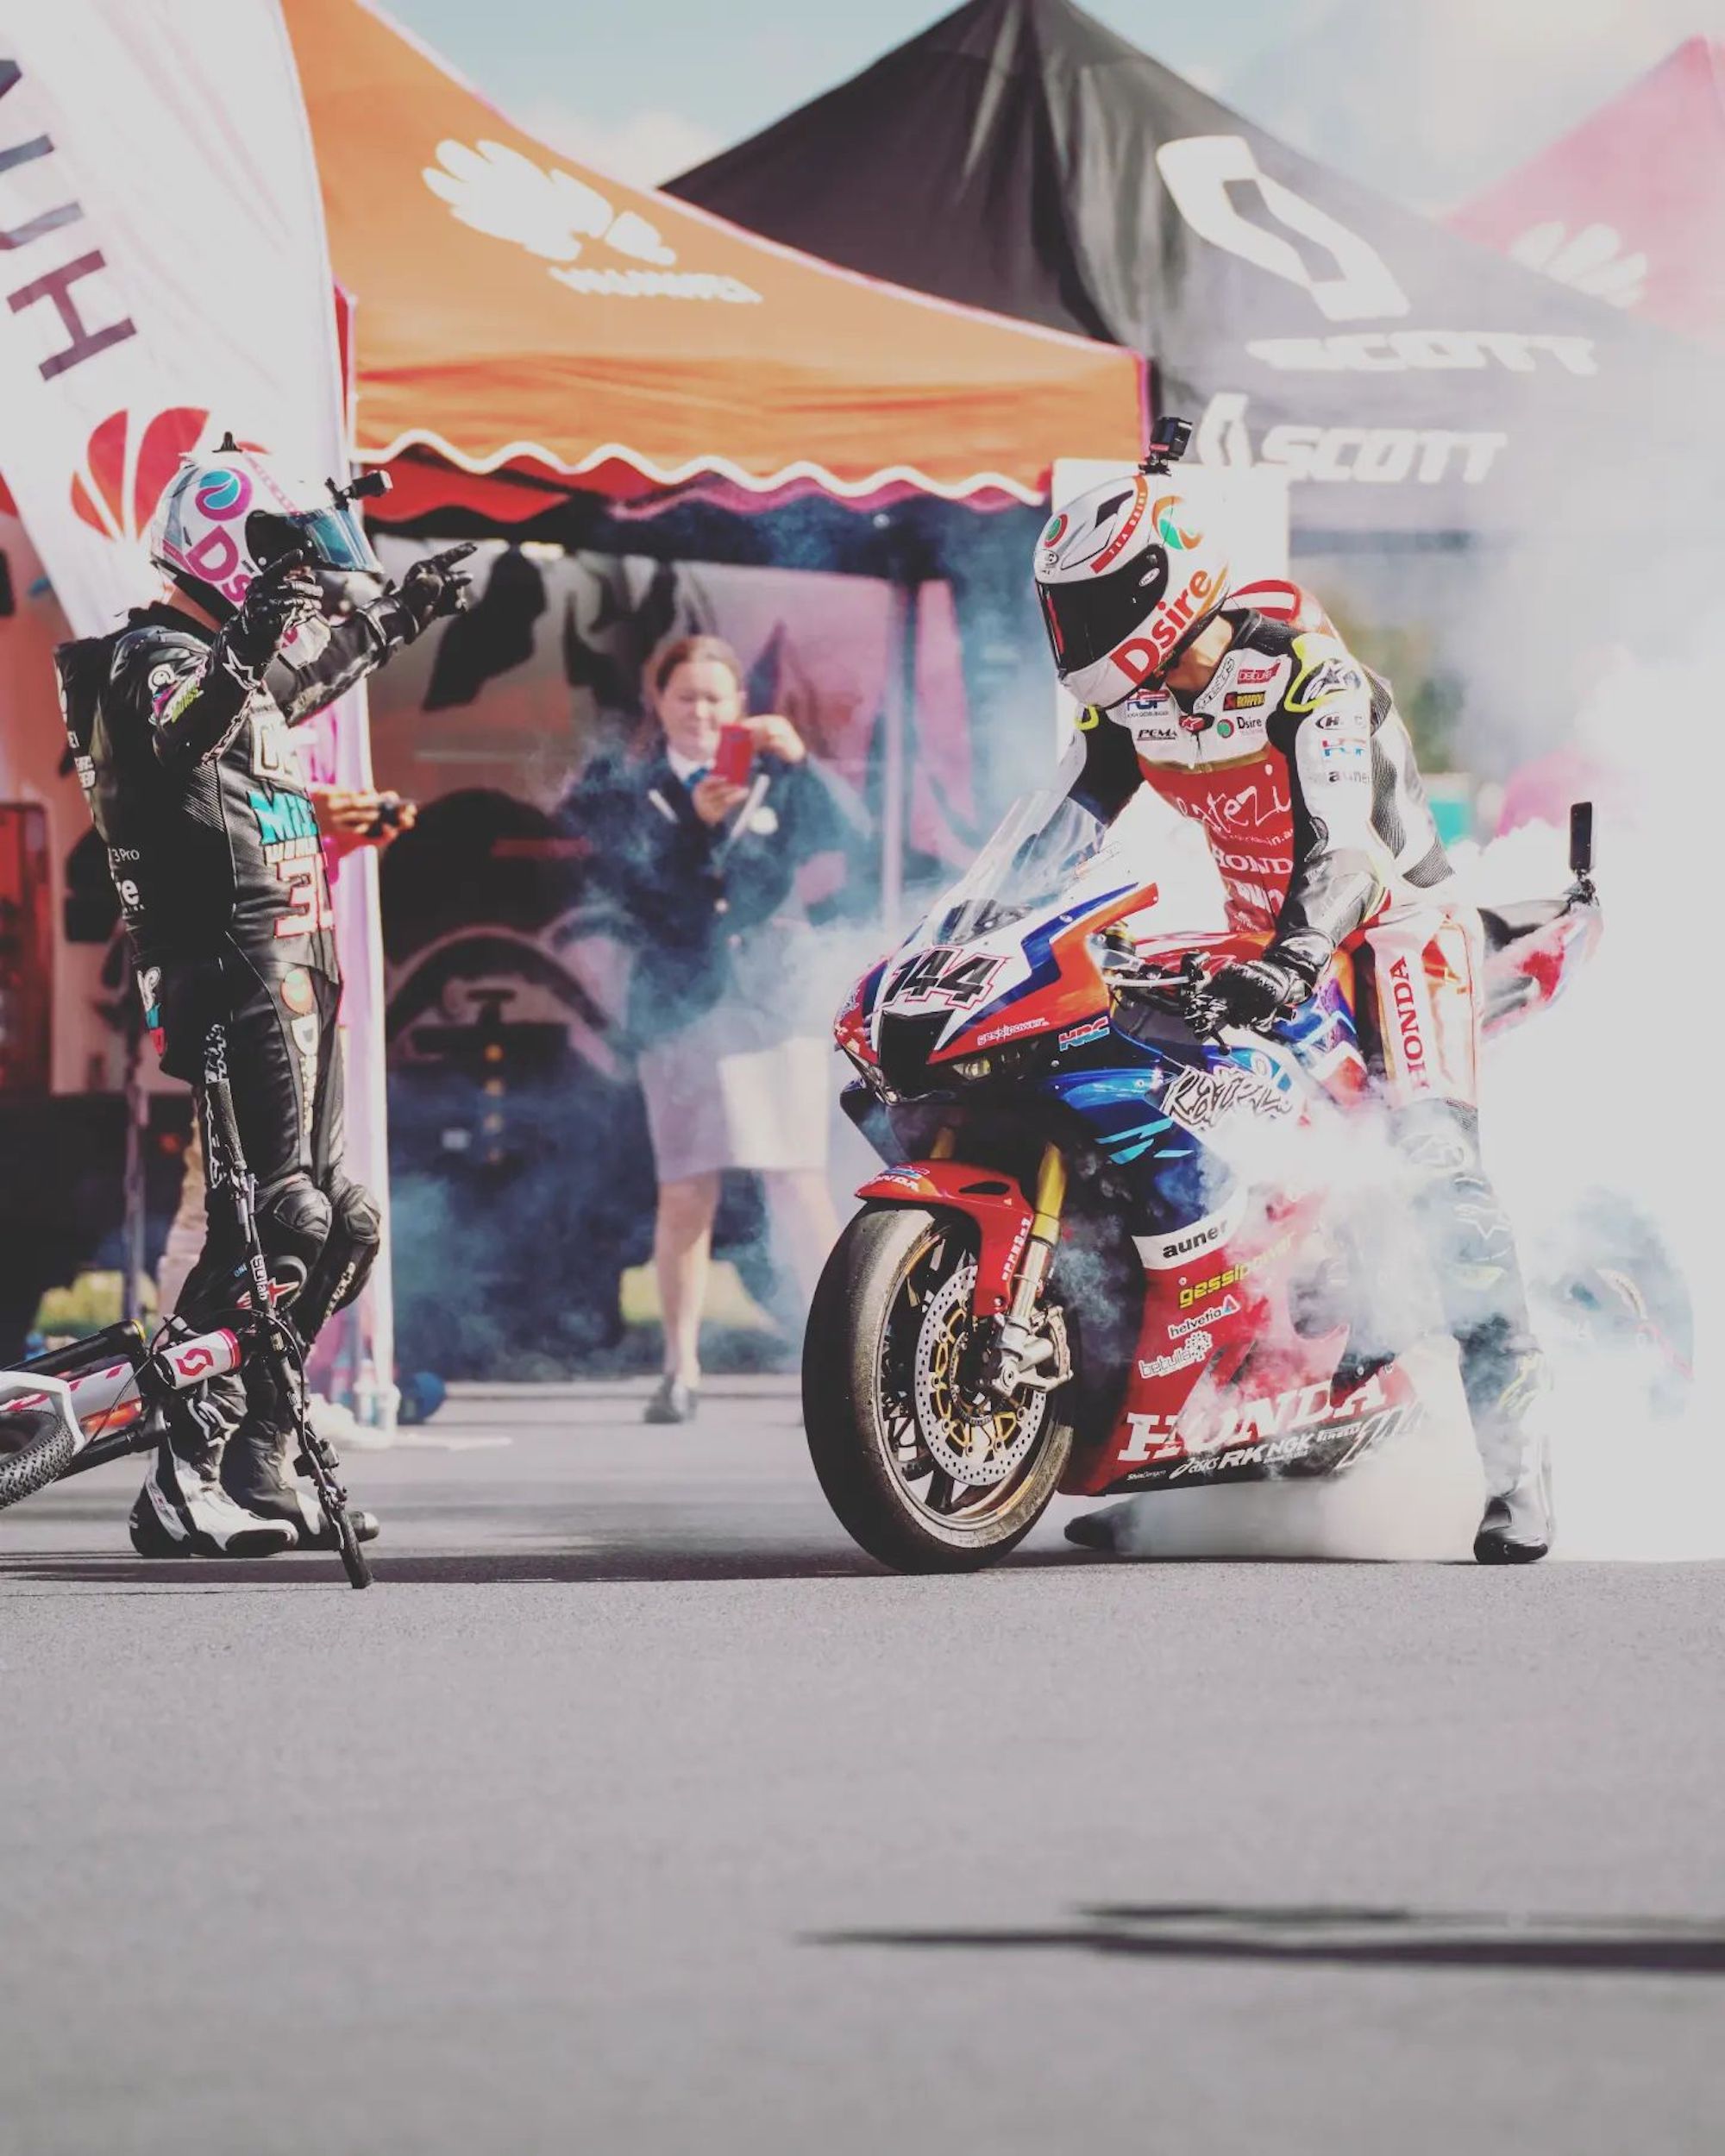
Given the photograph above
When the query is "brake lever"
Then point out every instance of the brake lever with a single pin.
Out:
(1186, 994)
(1200, 1006)
(1203, 1012)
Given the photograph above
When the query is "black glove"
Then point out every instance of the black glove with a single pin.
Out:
(1257, 991)
(280, 598)
(430, 589)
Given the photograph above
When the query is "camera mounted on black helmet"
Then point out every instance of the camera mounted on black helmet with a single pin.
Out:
(1167, 443)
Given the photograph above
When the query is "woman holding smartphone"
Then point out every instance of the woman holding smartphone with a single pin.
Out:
(701, 836)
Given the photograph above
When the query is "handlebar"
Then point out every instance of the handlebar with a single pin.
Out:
(1187, 994)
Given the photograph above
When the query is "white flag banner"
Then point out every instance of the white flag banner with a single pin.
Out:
(164, 277)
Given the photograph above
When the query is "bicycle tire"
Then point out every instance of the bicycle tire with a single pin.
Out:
(354, 1562)
(42, 1458)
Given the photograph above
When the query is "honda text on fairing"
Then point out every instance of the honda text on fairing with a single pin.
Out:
(1107, 1253)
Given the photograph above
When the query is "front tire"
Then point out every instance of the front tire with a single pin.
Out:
(886, 1361)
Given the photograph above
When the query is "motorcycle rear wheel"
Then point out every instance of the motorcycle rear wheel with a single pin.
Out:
(867, 1360)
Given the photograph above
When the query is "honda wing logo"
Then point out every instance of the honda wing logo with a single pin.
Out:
(496, 190)
(1199, 172)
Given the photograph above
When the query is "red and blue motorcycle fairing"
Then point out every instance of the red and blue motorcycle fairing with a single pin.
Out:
(1241, 1366)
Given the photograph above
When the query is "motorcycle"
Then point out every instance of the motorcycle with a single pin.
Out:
(1117, 1246)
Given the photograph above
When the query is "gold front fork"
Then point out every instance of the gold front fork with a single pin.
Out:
(1050, 1196)
(1021, 1349)
(1045, 1234)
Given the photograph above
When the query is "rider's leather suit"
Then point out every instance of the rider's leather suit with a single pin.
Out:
(194, 782)
(1297, 764)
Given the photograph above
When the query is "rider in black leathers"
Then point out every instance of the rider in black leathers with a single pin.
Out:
(179, 726)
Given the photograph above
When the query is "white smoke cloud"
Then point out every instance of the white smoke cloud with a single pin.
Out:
(1606, 1092)
(1432, 103)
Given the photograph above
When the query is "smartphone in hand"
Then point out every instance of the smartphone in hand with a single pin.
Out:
(734, 758)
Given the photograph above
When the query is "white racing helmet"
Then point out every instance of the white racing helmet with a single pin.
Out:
(228, 513)
(1127, 575)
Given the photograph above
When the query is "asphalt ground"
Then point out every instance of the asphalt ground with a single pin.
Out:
(633, 1810)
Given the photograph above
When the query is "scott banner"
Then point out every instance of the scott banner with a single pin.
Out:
(164, 277)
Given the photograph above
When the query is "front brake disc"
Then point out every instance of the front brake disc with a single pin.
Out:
(975, 1438)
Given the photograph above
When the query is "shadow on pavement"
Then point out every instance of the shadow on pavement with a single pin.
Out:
(1369, 1938)
(619, 1564)
(615, 1559)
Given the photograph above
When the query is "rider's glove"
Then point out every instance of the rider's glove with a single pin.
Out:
(279, 599)
(430, 589)
(1257, 991)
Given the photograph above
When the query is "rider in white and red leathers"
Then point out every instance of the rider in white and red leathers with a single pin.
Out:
(1293, 757)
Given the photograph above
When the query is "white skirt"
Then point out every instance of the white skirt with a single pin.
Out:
(721, 1096)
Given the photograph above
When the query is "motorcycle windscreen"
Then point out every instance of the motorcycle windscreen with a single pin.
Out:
(1040, 846)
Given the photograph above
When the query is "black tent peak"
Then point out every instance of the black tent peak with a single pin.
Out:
(964, 162)
(1020, 156)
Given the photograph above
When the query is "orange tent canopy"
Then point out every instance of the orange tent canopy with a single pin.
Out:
(518, 314)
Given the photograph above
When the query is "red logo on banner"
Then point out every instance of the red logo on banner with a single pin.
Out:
(116, 492)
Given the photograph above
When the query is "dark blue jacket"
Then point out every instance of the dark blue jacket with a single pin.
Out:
(690, 898)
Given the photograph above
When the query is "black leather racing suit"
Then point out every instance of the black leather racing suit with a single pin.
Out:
(193, 780)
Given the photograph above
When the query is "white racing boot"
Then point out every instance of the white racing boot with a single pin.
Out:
(259, 1470)
(1518, 1525)
(1109, 1531)
(183, 1510)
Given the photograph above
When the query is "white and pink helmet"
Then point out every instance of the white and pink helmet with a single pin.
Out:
(227, 512)
(1127, 575)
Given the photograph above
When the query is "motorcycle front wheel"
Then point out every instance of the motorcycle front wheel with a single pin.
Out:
(925, 1469)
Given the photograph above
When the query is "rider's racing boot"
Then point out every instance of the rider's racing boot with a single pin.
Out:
(258, 1468)
(1108, 1531)
(1515, 1449)
(183, 1510)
